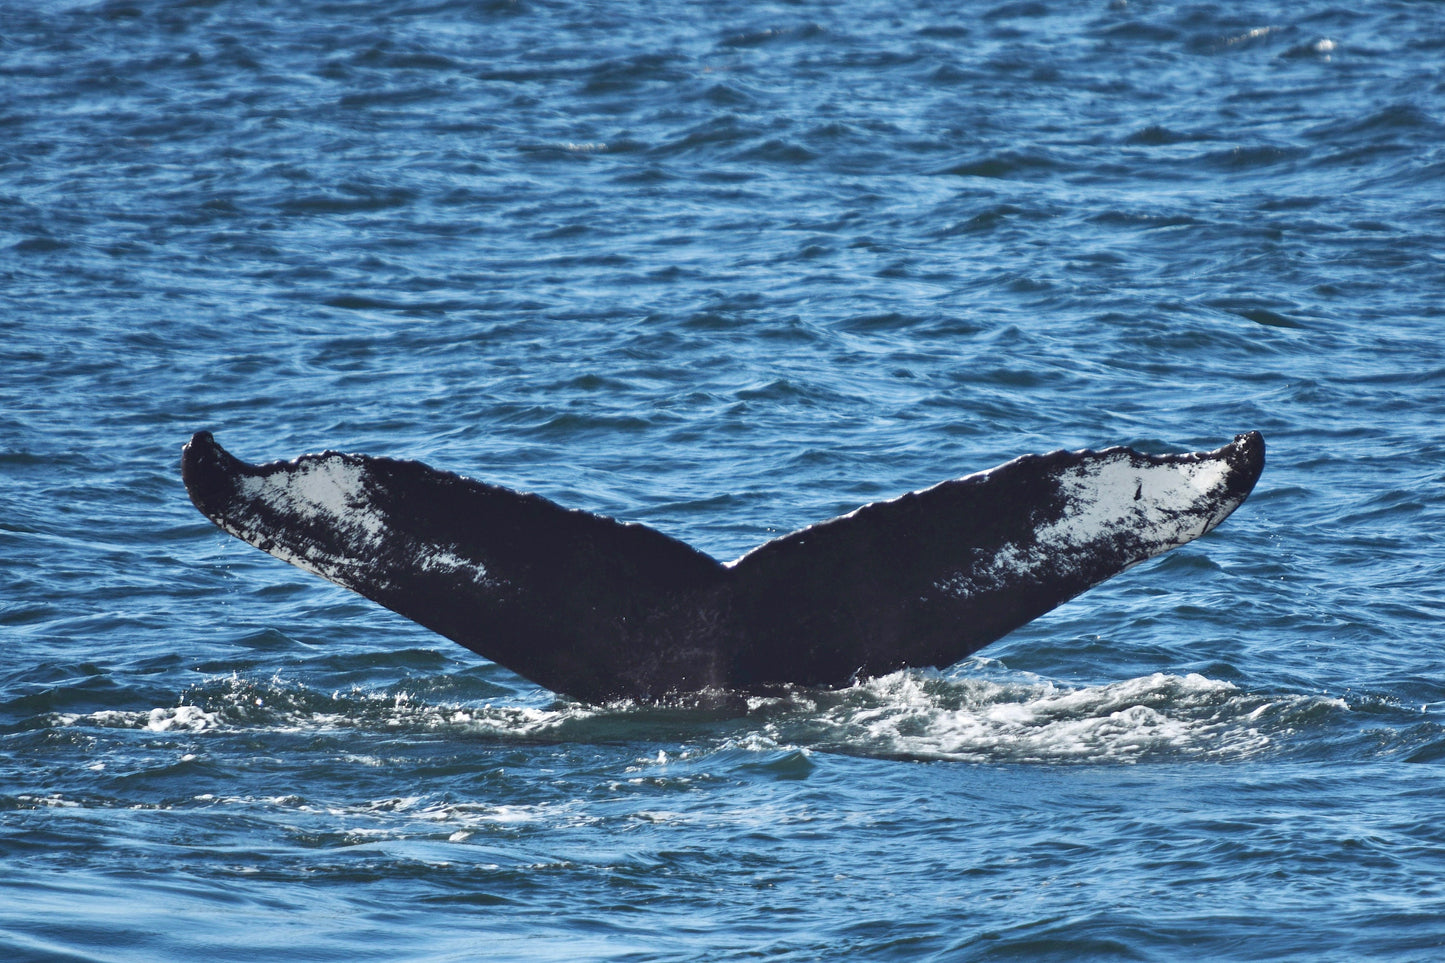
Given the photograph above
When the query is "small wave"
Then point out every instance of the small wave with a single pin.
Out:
(757, 37)
(1005, 164)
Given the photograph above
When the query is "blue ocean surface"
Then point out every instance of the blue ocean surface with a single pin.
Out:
(725, 269)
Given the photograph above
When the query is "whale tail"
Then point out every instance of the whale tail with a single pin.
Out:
(599, 609)
(933, 576)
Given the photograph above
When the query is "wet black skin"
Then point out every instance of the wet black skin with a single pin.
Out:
(600, 610)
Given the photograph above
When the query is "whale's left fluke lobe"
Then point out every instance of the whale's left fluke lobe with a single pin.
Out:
(572, 601)
(598, 609)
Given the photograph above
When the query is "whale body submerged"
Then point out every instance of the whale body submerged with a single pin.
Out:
(599, 609)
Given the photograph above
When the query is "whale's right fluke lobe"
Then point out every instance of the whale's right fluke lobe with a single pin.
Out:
(928, 578)
(598, 609)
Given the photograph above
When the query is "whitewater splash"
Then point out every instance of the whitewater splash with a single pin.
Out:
(921, 716)
(236, 703)
(904, 715)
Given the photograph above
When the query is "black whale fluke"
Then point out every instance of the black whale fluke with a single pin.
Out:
(599, 610)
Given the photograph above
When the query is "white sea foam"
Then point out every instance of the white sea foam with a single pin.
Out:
(185, 717)
(192, 718)
(910, 714)
(235, 703)
(921, 716)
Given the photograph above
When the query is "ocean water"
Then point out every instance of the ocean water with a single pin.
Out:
(726, 269)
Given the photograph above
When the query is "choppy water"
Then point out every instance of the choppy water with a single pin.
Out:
(727, 269)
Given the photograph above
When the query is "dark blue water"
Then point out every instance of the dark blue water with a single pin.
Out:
(726, 269)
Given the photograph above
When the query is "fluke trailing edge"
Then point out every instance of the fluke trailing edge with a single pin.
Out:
(598, 609)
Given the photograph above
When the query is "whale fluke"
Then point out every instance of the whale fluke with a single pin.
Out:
(599, 609)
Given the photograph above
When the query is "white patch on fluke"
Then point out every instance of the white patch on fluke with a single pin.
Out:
(442, 560)
(338, 494)
(328, 487)
(1111, 503)
(330, 491)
